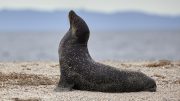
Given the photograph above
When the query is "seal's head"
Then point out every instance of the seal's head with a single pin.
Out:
(78, 28)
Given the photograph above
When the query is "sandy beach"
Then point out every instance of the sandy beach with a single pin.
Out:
(35, 81)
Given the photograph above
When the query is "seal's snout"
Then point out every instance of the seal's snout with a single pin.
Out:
(71, 14)
(72, 17)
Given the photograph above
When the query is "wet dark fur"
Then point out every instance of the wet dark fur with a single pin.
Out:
(79, 71)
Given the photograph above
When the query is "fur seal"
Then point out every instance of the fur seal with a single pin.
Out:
(79, 71)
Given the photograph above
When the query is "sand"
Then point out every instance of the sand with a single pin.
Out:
(35, 81)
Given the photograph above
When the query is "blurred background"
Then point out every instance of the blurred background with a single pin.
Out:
(30, 30)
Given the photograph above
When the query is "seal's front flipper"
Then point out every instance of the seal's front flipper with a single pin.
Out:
(63, 89)
(67, 82)
(63, 85)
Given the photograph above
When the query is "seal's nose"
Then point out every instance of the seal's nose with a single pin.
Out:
(71, 13)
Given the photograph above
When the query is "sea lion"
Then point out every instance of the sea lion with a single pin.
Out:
(79, 71)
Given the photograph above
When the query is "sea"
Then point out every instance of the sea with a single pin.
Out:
(102, 45)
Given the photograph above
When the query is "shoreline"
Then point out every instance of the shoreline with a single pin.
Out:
(35, 81)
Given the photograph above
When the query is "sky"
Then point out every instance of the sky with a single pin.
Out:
(159, 7)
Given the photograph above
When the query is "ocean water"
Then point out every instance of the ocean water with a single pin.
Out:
(139, 45)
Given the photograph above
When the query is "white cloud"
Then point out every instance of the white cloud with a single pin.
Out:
(163, 7)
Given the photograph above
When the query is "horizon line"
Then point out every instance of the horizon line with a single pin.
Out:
(92, 11)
